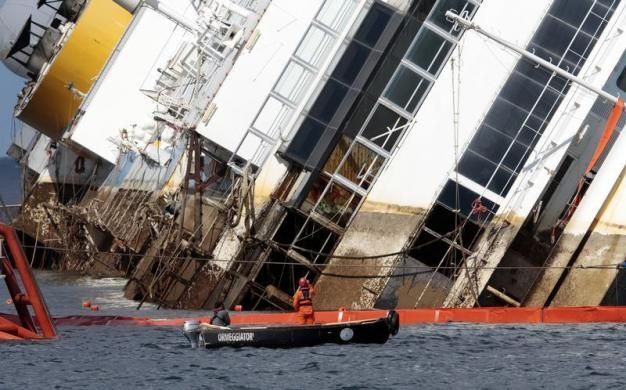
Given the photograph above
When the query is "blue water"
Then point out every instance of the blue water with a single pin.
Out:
(442, 356)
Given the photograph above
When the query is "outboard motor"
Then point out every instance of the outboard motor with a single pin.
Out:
(191, 330)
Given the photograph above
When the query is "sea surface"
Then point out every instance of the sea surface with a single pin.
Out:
(442, 356)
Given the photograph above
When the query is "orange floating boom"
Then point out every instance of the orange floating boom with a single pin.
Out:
(489, 315)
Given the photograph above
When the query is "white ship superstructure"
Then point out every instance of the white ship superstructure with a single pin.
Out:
(221, 149)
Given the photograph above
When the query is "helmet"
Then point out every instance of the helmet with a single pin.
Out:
(304, 282)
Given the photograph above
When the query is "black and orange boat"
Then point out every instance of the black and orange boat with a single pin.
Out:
(375, 331)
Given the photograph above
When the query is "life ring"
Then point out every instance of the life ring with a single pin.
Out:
(393, 322)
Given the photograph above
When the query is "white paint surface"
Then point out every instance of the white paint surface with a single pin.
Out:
(256, 70)
(116, 101)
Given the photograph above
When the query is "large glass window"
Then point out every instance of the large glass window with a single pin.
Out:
(470, 204)
(273, 117)
(309, 133)
(336, 13)
(351, 62)
(360, 165)
(429, 51)
(328, 101)
(407, 88)
(384, 127)
(506, 117)
(490, 144)
(315, 46)
(373, 25)
(293, 82)
(525, 93)
(337, 204)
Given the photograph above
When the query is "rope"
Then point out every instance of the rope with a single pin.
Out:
(195, 258)
(242, 201)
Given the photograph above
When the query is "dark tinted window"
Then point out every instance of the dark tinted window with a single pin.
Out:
(374, 24)
(515, 157)
(328, 101)
(506, 117)
(306, 138)
(502, 181)
(466, 200)
(554, 36)
(380, 127)
(476, 168)
(407, 88)
(570, 14)
(351, 62)
(490, 144)
(429, 51)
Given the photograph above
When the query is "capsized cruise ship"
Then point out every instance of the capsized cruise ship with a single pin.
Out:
(398, 153)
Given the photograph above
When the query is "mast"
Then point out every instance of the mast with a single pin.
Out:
(469, 25)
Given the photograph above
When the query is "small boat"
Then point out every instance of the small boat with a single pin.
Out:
(376, 331)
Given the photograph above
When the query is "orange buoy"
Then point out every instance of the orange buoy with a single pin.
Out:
(238, 308)
(86, 303)
(94, 308)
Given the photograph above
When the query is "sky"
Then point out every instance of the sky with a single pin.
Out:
(10, 85)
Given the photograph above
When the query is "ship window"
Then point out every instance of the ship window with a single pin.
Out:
(316, 240)
(385, 127)
(432, 251)
(328, 101)
(466, 201)
(216, 179)
(315, 46)
(502, 181)
(361, 165)
(407, 88)
(527, 136)
(289, 227)
(461, 7)
(273, 117)
(422, 9)
(524, 93)
(554, 36)
(621, 80)
(337, 204)
(373, 25)
(506, 117)
(515, 157)
(490, 144)
(429, 51)
(315, 192)
(335, 14)
(443, 221)
(351, 63)
(476, 168)
(359, 117)
(305, 140)
(281, 272)
(579, 49)
(593, 23)
(293, 81)
(571, 15)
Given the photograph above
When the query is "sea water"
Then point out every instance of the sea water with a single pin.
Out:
(439, 356)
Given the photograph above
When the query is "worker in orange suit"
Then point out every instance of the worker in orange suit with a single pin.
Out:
(303, 302)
